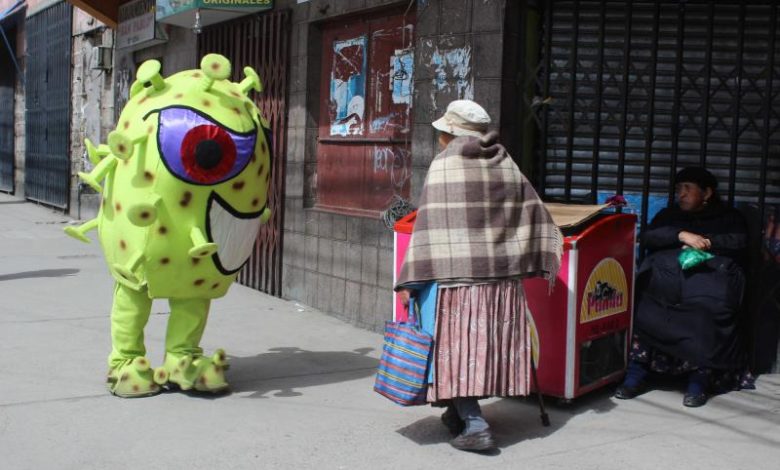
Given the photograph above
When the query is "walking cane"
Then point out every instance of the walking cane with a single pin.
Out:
(542, 412)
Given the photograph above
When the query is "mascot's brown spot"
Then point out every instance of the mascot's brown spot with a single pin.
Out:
(268, 176)
(118, 207)
(236, 94)
(217, 369)
(237, 111)
(124, 377)
(183, 363)
(143, 100)
(196, 74)
(206, 103)
(122, 244)
(199, 282)
(255, 202)
(136, 388)
(126, 125)
(163, 230)
(186, 198)
(203, 253)
(122, 149)
(161, 374)
(215, 66)
(165, 261)
(260, 170)
(175, 372)
(253, 159)
(150, 129)
(216, 284)
(203, 380)
(178, 96)
(238, 185)
(195, 260)
(262, 147)
(145, 215)
(148, 176)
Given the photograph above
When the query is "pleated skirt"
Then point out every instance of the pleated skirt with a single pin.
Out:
(482, 342)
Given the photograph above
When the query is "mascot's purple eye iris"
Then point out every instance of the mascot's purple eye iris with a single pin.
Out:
(201, 151)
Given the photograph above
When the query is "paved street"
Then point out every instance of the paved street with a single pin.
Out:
(302, 390)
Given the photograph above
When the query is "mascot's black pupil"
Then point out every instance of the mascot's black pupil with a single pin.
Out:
(208, 154)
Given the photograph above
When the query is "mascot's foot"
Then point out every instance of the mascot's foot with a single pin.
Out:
(136, 379)
(201, 374)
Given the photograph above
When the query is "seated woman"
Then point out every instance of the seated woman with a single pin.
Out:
(687, 321)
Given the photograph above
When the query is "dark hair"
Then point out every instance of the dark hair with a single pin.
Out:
(702, 177)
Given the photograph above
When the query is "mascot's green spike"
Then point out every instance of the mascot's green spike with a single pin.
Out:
(251, 82)
(99, 173)
(123, 144)
(149, 72)
(80, 232)
(95, 154)
(214, 67)
(180, 219)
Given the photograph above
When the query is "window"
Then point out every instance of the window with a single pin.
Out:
(364, 137)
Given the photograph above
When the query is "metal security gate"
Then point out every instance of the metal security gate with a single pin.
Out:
(634, 91)
(628, 92)
(262, 41)
(7, 83)
(47, 89)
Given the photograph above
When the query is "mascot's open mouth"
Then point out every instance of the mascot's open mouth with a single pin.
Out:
(234, 233)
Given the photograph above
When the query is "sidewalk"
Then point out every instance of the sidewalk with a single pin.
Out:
(302, 390)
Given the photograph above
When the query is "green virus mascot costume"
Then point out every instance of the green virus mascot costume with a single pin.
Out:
(184, 179)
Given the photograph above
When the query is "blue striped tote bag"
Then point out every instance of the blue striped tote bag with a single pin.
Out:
(403, 368)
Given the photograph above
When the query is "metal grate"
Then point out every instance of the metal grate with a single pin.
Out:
(47, 118)
(636, 90)
(7, 83)
(262, 41)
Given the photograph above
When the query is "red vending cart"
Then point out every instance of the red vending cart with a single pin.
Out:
(581, 330)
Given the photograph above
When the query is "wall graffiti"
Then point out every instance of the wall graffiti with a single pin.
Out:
(452, 72)
(348, 87)
(401, 68)
(395, 161)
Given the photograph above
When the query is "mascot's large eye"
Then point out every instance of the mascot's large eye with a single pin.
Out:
(200, 151)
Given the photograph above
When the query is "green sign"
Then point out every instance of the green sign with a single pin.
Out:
(167, 8)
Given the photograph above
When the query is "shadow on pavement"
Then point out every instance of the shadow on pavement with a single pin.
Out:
(285, 370)
(513, 420)
(39, 273)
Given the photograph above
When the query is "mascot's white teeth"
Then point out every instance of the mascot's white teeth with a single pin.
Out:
(233, 232)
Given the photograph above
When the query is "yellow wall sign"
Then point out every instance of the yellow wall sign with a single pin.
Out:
(606, 292)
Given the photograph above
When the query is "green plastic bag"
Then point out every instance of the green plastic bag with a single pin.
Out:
(692, 257)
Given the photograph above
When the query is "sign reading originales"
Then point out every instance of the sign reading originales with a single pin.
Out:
(172, 7)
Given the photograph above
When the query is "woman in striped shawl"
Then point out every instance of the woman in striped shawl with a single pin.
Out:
(480, 229)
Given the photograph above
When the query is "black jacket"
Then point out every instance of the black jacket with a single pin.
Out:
(693, 314)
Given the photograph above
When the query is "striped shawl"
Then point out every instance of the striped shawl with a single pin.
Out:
(479, 220)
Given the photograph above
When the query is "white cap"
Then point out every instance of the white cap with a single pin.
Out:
(463, 117)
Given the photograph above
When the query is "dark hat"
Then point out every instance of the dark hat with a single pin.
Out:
(698, 175)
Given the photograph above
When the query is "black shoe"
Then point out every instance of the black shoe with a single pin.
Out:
(694, 401)
(453, 422)
(475, 442)
(624, 392)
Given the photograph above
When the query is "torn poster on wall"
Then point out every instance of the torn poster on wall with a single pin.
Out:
(348, 86)
(453, 72)
(401, 68)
